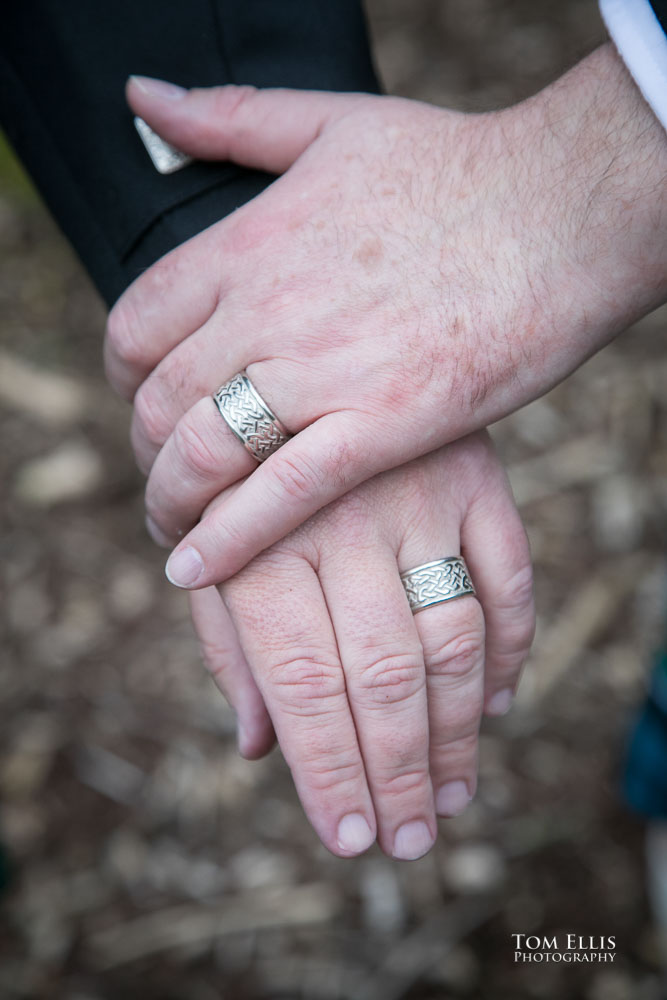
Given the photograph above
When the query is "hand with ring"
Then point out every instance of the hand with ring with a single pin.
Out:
(413, 275)
(362, 645)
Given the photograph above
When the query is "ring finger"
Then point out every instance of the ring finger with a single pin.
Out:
(198, 461)
(452, 639)
(216, 443)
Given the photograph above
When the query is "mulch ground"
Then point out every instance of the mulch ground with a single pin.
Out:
(144, 858)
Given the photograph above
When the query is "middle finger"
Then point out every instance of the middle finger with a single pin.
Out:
(386, 682)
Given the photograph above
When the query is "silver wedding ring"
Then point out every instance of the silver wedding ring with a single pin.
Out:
(437, 581)
(250, 418)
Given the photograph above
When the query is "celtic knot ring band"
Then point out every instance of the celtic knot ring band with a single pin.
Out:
(249, 417)
(435, 582)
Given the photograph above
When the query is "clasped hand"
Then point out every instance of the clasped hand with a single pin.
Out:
(377, 711)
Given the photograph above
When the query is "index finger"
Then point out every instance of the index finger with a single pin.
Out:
(284, 627)
(319, 464)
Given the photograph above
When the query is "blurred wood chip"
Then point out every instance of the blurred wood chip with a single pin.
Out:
(424, 948)
(184, 926)
(592, 607)
(576, 463)
(48, 397)
(71, 471)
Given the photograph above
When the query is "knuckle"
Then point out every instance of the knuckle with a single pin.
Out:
(337, 462)
(216, 657)
(297, 477)
(233, 104)
(229, 106)
(123, 334)
(458, 654)
(400, 783)
(517, 616)
(326, 771)
(517, 594)
(391, 678)
(307, 685)
(457, 657)
(194, 451)
(155, 502)
(512, 649)
(301, 476)
(461, 746)
(149, 413)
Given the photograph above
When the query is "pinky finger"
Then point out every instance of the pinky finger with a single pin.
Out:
(496, 550)
(225, 661)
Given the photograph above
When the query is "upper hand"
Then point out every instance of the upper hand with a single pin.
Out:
(413, 275)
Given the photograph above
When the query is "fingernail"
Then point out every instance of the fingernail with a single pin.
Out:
(500, 702)
(452, 798)
(159, 88)
(412, 841)
(184, 567)
(157, 534)
(354, 834)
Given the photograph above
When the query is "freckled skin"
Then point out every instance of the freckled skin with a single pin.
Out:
(370, 253)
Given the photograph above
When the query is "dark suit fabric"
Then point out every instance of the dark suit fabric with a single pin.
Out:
(660, 11)
(63, 67)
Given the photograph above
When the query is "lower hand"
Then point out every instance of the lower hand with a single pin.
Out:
(377, 711)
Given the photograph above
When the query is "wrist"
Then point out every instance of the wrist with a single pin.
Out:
(602, 161)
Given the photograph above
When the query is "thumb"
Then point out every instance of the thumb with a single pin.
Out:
(264, 129)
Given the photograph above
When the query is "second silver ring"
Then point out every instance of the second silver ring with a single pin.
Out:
(436, 582)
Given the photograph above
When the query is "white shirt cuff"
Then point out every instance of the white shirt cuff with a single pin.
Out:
(642, 45)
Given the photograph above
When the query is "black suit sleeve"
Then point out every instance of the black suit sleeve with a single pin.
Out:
(63, 68)
(660, 11)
